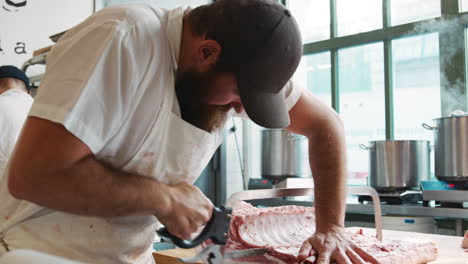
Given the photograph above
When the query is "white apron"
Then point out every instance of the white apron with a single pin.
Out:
(173, 151)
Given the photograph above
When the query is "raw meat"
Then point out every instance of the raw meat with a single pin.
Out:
(253, 226)
(283, 229)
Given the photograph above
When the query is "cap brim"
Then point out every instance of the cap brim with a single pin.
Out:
(265, 109)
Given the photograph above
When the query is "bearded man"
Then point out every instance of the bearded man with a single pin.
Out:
(131, 110)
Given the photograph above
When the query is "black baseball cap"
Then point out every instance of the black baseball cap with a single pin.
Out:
(262, 45)
(14, 72)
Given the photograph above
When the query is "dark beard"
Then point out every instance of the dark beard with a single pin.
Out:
(190, 89)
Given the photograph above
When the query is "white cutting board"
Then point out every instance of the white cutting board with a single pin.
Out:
(450, 250)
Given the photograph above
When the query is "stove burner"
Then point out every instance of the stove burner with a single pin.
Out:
(447, 194)
(395, 198)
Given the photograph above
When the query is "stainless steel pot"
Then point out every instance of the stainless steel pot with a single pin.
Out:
(284, 154)
(451, 148)
(398, 164)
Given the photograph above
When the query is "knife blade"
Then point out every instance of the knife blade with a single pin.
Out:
(216, 254)
(244, 253)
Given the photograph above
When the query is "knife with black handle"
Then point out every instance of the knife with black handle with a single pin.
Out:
(216, 229)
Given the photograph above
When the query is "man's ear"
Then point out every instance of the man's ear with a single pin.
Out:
(208, 54)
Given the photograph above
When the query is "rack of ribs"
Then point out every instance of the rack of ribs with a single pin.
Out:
(283, 229)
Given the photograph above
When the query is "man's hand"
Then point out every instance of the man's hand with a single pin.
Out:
(335, 245)
(189, 210)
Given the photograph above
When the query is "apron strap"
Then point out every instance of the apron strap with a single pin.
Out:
(41, 212)
(3, 243)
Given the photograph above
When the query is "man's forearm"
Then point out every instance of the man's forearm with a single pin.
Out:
(91, 188)
(327, 151)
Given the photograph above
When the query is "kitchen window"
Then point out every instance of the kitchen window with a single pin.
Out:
(355, 16)
(362, 103)
(464, 5)
(314, 72)
(416, 83)
(314, 18)
(385, 68)
(403, 11)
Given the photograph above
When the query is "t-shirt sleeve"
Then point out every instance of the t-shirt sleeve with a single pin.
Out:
(14, 107)
(8, 127)
(292, 92)
(91, 75)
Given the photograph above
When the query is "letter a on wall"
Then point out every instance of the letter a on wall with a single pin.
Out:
(20, 48)
(13, 5)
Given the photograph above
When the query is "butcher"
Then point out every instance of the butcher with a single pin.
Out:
(130, 111)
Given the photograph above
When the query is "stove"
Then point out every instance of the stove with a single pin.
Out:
(431, 193)
(396, 197)
(275, 183)
(453, 194)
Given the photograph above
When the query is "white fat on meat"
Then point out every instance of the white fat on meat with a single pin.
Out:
(283, 229)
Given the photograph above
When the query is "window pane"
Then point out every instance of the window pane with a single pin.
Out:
(362, 104)
(314, 72)
(463, 5)
(416, 73)
(403, 11)
(313, 18)
(416, 81)
(355, 16)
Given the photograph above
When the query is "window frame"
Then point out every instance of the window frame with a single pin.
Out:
(455, 73)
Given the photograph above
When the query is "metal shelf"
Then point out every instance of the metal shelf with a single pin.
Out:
(410, 210)
(39, 59)
(413, 210)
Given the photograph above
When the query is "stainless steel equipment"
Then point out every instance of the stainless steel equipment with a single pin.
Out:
(284, 154)
(398, 164)
(398, 197)
(451, 148)
(448, 194)
(295, 183)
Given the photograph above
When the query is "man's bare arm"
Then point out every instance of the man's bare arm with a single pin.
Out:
(53, 168)
(327, 153)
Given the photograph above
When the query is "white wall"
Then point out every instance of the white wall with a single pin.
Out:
(168, 4)
(234, 160)
(27, 28)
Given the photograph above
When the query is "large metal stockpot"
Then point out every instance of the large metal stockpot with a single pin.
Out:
(284, 154)
(398, 164)
(451, 147)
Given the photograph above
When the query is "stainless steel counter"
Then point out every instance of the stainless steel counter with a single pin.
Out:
(414, 210)
(458, 214)
(358, 208)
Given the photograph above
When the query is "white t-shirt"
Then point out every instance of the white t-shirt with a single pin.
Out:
(14, 107)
